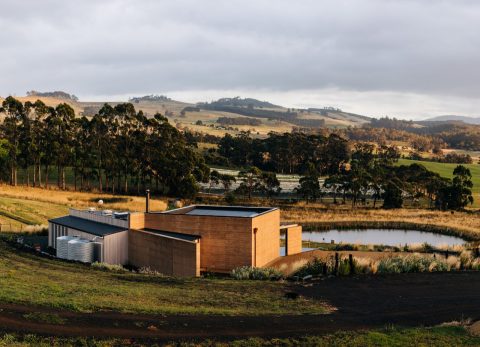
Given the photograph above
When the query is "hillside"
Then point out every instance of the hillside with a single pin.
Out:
(261, 117)
(454, 118)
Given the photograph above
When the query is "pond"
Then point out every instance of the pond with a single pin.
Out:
(388, 237)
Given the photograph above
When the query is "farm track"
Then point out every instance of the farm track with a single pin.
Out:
(363, 302)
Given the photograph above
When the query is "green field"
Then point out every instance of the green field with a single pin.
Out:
(446, 170)
(29, 279)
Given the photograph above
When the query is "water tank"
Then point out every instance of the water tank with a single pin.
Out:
(62, 246)
(80, 250)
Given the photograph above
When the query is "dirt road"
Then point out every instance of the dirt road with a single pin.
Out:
(362, 302)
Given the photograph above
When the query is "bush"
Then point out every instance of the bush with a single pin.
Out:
(411, 263)
(315, 267)
(230, 198)
(148, 271)
(108, 267)
(255, 273)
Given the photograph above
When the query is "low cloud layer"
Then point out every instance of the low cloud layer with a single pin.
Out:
(413, 57)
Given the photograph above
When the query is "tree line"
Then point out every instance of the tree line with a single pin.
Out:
(359, 173)
(116, 150)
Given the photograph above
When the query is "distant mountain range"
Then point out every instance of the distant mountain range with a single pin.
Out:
(453, 118)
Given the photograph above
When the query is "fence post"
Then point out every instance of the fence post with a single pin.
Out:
(352, 267)
(336, 263)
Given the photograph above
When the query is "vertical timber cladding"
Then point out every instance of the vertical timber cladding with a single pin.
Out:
(166, 255)
(226, 242)
(266, 239)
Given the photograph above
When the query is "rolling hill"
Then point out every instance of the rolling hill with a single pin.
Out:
(204, 117)
(453, 118)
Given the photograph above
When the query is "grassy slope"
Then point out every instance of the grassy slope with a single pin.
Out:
(446, 170)
(438, 336)
(22, 206)
(28, 279)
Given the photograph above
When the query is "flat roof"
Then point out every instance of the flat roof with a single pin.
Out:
(222, 211)
(173, 235)
(87, 226)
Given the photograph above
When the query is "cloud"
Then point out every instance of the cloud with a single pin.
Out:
(413, 49)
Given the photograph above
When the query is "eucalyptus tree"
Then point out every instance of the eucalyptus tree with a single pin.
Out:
(25, 155)
(250, 181)
(309, 185)
(40, 112)
(63, 139)
(14, 113)
(227, 181)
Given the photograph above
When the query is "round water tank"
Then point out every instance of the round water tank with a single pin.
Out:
(62, 246)
(80, 250)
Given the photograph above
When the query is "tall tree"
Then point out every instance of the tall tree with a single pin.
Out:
(309, 187)
(15, 112)
(250, 181)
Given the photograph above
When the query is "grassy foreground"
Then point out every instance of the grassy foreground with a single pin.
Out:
(28, 279)
(438, 336)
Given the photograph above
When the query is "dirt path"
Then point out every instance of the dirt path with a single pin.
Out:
(362, 302)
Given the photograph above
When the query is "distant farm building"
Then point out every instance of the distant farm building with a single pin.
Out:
(180, 242)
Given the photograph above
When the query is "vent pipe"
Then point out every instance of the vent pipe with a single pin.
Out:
(147, 201)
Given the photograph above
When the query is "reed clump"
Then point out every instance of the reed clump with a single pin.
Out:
(255, 273)
(388, 265)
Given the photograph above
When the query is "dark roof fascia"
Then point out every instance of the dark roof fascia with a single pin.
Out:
(78, 223)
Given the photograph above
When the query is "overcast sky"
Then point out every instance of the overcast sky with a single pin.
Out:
(405, 58)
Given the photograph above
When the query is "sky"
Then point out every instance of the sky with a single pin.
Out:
(403, 58)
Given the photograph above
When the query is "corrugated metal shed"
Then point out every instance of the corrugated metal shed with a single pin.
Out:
(88, 226)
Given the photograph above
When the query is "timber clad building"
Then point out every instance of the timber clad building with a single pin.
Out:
(184, 241)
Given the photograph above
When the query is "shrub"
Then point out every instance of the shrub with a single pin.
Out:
(255, 273)
(315, 267)
(108, 267)
(411, 263)
(148, 271)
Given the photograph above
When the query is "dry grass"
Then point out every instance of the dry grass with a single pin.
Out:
(28, 209)
(81, 199)
(463, 224)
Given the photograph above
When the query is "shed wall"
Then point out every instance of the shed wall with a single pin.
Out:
(115, 248)
(166, 255)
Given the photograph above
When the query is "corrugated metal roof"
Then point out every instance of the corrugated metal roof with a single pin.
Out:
(88, 226)
(173, 235)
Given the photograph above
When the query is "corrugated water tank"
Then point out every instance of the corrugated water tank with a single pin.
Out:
(62, 246)
(80, 250)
